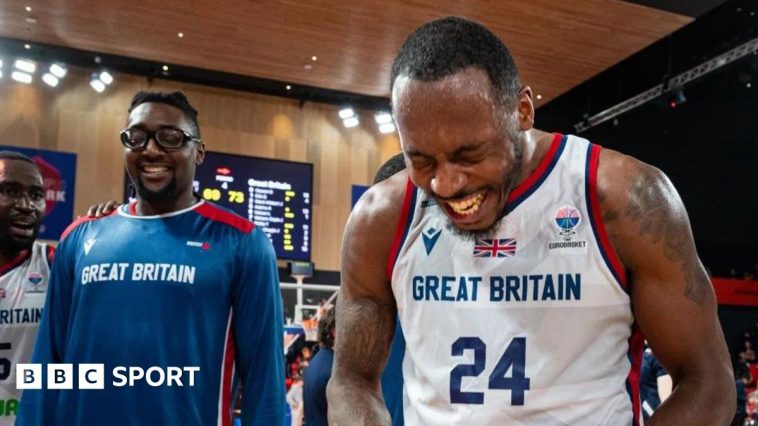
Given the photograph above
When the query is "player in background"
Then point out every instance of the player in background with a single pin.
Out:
(168, 280)
(525, 266)
(24, 271)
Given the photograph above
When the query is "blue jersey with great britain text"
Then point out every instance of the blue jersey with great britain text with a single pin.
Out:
(194, 288)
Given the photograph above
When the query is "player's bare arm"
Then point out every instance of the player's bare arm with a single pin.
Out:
(366, 309)
(674, 303)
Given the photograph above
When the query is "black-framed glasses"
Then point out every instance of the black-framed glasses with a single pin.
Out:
(167, 138)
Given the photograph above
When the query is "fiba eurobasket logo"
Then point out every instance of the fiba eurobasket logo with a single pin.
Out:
(567, 218)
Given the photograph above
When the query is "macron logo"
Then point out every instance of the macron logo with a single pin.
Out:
(88, 245)
(430, 236)
(204, 246)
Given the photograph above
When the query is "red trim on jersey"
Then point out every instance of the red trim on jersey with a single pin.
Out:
(524, 186)
(214, 213)
(402, 223)
(79, 221)
(132, 208)
(50, 254)
(227, 382)
(636, 346)
(22, 256)
(605, 243)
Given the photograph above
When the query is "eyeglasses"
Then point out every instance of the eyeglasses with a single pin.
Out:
(167, 138)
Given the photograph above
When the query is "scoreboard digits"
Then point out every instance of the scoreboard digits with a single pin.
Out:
(273, 194)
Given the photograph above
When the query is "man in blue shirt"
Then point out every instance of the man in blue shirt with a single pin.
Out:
(169, 284)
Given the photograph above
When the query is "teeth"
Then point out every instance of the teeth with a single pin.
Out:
(154, 169)
(468, 205)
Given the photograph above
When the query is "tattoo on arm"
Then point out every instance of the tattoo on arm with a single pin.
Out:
(364, 335)
(650, 206)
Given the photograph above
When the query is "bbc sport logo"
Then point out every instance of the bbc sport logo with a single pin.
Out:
(92, 376)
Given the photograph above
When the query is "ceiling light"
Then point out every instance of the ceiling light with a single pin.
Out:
(28, 8)
(58, 70)
(314, 58)
(1, 74)
(350, 122)
(288, 87)
(25, 65)
(308, 66)
(383, 118)
(21, 77)
(386, 128)
(106, 77)
(50, 79)
(346, 113)
(165, 68)
(97, 84)
(539, 96)
(749, 85)
(30, 20)
(27, 46)
(180, 35)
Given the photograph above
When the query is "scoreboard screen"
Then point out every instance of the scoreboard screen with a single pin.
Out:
(273, 194)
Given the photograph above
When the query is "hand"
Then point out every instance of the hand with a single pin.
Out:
(103, 209)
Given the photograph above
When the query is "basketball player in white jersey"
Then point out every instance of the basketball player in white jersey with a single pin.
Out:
(524, 268)
(24, 270)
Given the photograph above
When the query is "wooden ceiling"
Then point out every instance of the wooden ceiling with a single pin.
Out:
(557, 43)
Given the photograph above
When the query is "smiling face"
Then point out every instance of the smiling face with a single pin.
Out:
(22, 206)
(162, 176)
(461, 145)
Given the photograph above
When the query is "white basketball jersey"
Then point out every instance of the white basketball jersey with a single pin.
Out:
(23, 287)
(529, 326)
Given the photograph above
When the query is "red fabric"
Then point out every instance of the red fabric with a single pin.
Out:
(539, 171)
(216, 214)
(605, 243)
(226, 387)
(402, 223)
(15, 262)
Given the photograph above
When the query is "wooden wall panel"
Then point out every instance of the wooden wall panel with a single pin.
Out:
(74, 118)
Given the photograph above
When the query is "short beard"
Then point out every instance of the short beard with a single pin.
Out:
(168, 192)
(509, 181)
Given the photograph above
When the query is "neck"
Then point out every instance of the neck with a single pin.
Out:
(534, 147)
(7, 255)
(158, 207)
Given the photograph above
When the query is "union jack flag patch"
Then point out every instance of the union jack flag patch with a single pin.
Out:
(500, 247)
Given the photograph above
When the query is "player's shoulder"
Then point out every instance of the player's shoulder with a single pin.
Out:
(85, 221)
(381, 206)
(224, 217)
(621, 177)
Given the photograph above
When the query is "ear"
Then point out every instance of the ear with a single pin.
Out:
(525, 109)
(200, 154)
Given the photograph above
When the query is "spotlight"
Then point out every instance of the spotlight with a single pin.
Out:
(21, 77)
(346, 113)
(50, 79)
(96, 83)
(386, 128)
(350, 122)
(288, 87)
(106, 77)
(165, 68)
(383, 118)
(58, 70)
(25, 65)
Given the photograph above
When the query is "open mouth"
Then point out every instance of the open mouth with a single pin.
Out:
(23, 227)
(153, 171)
(468, 205)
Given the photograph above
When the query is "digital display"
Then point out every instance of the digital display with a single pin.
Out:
(273, 194)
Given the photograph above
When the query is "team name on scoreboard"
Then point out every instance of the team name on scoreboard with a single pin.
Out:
(120, 272)
(500, 288)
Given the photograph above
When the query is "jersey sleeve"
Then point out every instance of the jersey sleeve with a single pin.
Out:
(38, 406)
(259, 330)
